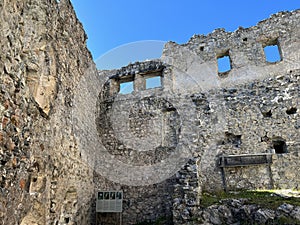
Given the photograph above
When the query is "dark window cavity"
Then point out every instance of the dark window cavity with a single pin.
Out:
(291, 111)
(267, 113)
(279, 145)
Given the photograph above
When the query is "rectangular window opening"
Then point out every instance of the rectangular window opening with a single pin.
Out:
(126, 87)
(153, 82)
(272, 53)
(224, 64)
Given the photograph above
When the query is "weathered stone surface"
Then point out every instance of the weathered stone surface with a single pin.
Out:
(66, 131)
(251, 109)
(43, 56)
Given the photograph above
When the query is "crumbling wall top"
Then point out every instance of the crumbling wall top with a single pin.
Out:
(278, 23)
(148, 66)
(196, 64)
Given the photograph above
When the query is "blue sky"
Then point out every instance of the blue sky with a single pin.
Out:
(113, 23)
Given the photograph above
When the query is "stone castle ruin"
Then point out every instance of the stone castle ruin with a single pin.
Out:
(68, 130)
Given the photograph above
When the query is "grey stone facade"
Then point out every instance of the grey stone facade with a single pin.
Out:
(66, 131)
(251, 109)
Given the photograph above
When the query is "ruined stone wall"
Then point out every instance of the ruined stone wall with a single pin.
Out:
(43, 57)
(66, 132)
(144, 200)
(198, 57)
(253, 108)
(258, 114)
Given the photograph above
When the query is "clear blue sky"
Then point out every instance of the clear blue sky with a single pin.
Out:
(111, 23)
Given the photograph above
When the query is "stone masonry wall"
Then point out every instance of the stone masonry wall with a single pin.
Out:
(43, 57)
(251, 109)
(66, 131)
(257, 115)
(142, 201)
(257, 101)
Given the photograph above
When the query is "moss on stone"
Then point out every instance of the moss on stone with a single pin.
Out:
(266, 198)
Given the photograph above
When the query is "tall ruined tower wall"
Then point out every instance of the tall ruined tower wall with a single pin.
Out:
(43, 57)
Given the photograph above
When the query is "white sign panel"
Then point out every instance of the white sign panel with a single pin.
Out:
(109, 201)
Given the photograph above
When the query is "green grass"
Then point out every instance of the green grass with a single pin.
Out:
(265, 198)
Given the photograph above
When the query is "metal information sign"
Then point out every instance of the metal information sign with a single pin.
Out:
(109, 201)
